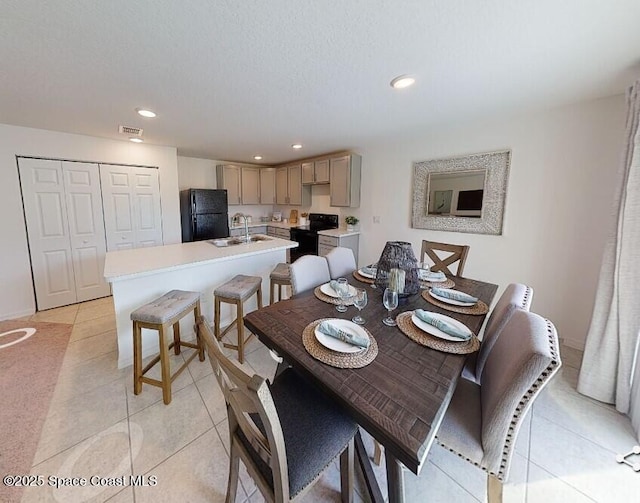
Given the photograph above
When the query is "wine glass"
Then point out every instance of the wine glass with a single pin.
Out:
(423, 271)
(360, 301)
(390, 301)
(342, 289)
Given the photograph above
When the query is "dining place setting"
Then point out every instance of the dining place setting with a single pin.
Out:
(348, 344)
(341, 342)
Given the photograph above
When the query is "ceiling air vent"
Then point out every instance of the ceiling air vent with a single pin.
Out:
(130, 131)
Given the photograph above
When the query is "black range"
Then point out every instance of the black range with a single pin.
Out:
(307, 237)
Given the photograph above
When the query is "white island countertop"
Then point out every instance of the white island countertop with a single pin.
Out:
(127, 264)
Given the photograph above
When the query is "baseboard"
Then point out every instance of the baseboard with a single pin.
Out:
(19, 314)
(572, 343)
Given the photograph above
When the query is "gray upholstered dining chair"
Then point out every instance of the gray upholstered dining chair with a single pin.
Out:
(516, 295)
(286, 433)
(341, 262)
(308, 272)
(482, 422)
(456, 253)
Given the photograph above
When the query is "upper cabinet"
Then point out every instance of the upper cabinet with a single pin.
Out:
(267, 186)
(228, 177)
(291, 184)
(344, 177)
(289, 188)
(315, 172)
(250, 185)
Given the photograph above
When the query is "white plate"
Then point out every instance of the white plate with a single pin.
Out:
(424, 276)
(327, 290)
(453, 302)
(430, 329)
(361, 272)
(336, 344)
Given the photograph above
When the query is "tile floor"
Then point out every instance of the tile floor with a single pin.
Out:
(96, 426)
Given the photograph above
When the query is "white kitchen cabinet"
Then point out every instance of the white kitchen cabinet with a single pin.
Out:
(267, 186)
(250, 185)
(327, 243)
(289, 189)
(278, 232)
(229, 177)
(315, 172)
(344, 174)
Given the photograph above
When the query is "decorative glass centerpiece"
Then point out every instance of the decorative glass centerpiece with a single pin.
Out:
(398, 269)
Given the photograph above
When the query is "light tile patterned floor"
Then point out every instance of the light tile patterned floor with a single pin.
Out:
(97, 427)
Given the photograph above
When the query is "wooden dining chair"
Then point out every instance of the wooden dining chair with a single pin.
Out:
(457, 253)
(341, 262)
(515, 296)
(286, 433)
(308, 272)
(483, 420)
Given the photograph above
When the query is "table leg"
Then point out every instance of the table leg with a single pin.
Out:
(367, 471)
(395, 480)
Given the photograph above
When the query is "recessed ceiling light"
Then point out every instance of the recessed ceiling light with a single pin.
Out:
(402, 81)
(136, 140)
(257, 157)
(146, 113)
(297, 146)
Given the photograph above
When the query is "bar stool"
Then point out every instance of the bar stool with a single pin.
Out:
(280, 276)
(159, 315)
(236, 291)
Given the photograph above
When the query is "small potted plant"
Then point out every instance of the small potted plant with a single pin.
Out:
(351, 222)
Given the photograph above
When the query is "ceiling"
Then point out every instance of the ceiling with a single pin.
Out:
(230, 79)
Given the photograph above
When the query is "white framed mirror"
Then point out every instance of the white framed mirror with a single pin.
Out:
(461, 194)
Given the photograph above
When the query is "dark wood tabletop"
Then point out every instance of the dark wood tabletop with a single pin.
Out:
(399, 398)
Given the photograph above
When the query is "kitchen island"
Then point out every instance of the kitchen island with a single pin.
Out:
(140, 275)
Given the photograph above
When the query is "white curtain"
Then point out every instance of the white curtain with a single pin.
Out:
(610, 367)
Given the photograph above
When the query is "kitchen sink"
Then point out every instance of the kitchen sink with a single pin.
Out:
(238, 240)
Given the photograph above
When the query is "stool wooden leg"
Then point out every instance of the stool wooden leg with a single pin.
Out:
(199, 341)
(240, 325)
(137, 358)
(216, 318)
(272, 288)
(164, 365)
(260, 297)
(176, 337)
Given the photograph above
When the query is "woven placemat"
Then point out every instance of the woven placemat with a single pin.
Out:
(478, 308)
(437, 284)
(362, 278)
(332, 300)
(335, 358)
(424, 339)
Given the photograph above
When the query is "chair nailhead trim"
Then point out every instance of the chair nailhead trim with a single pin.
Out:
(522, 407)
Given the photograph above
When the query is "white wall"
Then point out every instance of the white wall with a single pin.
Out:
(558, 205)
(16, 296)
(194, 173)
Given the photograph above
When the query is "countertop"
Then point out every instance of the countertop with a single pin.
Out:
(338, 233)
(126, 264)
(281, 225)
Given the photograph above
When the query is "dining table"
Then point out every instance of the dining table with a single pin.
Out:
(400, 397)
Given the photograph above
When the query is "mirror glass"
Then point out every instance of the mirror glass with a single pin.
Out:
(456, 194)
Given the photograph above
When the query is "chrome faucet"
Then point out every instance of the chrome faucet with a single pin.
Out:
(246, 225)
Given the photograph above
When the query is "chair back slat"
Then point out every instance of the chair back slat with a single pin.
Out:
(458, 253)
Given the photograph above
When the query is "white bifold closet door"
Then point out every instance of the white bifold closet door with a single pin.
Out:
(131, 198)
(65, 226)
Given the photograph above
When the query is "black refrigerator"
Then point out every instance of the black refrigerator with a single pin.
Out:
(204, 214)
